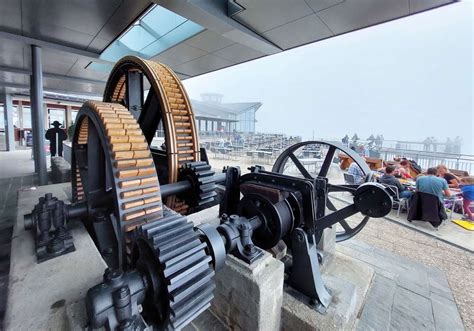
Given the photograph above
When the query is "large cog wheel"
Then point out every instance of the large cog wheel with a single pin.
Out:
(167, 106)
(178, 271)
(113, 167)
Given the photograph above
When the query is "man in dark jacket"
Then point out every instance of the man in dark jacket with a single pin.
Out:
(389, 179)
(56, 135)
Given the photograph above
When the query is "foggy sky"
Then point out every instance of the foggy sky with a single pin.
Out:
(406, 79)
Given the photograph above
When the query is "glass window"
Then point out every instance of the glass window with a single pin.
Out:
(74, 115)
(57, 115)
(26, 117)
(155, 32)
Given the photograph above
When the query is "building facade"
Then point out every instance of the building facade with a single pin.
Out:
(212, 115)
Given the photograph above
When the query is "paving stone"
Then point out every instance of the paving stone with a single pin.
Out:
(439, 283)
(377, 310)
(416, 280)
(445, 313)
(411, 311)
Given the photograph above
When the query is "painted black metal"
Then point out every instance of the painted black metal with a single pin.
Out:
(238, 232)
(134, 92)
(48, 224)
(177, 268)
(305, 276)
(230, 200)
(215, 244)
(202, 193)
(288, 154)
(114, 303)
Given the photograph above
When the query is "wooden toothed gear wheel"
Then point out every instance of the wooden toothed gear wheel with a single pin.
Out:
(166, 106)
(115, 174)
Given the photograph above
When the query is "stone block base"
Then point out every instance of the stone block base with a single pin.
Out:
(249, 297)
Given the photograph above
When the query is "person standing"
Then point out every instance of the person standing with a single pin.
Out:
(433, 185)
(345, 140)
(56, 136)
(449, 146)
(426, 144)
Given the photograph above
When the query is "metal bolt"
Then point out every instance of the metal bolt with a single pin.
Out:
(250, 248)
(300, 237)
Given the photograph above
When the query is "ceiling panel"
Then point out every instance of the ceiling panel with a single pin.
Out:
(86, 17)
(79, 69)
(299, 32)
(420, 5)
(209, 41)
(11, 53)
(356, 14)
(263, 15)
(10, 15)
(238, 53)
(318, 5)
(183, 53)
(123, 16)
(57, 62)
(203, 64)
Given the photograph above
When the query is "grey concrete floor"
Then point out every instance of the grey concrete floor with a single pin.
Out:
(389, 239)
(8, 199)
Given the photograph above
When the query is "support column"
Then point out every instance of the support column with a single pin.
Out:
(68, 117)
(19, 108)
(9, 130)
(37, 113)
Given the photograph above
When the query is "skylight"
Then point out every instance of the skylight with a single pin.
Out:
(152, 34)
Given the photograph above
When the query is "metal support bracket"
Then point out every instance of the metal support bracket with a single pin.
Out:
(305, 276)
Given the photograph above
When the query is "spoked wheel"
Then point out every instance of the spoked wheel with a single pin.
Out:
(311, 159)
(166, 107)
(115, 175)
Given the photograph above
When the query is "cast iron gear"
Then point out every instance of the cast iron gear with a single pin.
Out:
(203, 192)
(179, 272)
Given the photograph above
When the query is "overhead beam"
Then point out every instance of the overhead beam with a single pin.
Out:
(46, 89)
(22, 71)
(56, 46)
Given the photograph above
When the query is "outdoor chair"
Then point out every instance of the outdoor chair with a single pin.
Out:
(349, 179)
(399, 202)
(455, 200)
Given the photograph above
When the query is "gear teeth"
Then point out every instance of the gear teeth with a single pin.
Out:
(204, 185)
(186, 267)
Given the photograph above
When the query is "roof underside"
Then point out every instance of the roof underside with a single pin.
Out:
(74, 33)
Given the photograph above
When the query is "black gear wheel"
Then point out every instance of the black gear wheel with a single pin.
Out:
(203, 190)
(179, 273)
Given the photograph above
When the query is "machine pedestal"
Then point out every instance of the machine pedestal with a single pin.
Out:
(250, 297)
(348, 281)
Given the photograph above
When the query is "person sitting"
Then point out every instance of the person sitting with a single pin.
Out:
(405, 169)
(443, 172)
(356, 171)
(433, 185)
(467, 189)
(389, 179)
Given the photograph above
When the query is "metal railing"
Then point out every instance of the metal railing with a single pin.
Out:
(428, 159)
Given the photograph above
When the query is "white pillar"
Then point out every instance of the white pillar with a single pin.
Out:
(8, 115)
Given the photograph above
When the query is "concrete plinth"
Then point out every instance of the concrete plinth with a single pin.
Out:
(44, 296)
(349, 281)
(250, 297)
